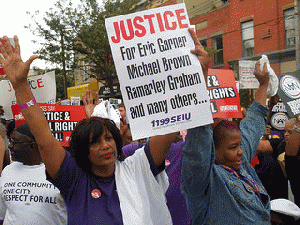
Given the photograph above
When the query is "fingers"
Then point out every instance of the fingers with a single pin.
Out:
(256, 69)
(8, 46)
(84, 100)
(17, 45)
(96, 98)
(3, 50)
(30, 60)
(194, 36)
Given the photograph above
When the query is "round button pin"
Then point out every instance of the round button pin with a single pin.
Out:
(96, 193)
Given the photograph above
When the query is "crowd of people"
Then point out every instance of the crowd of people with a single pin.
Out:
(202, 176)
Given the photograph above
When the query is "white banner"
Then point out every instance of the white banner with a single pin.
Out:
(247, 79)
(162, 84)
(43, 88)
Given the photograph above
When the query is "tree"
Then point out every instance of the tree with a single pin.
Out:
(92, 41)
(57, 33)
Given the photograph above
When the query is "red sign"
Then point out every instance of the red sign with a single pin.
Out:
(223, 94)
(62, 119)
(1, 69)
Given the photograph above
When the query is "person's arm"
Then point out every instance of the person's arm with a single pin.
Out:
(51, 151)
(264, 146)
(263, 78)
(198, 159)
(253, 126)
(293, 144)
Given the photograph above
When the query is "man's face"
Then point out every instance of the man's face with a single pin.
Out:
(288, 131)
(122, 111)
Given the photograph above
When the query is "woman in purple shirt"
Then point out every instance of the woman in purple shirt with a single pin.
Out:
(98, 186)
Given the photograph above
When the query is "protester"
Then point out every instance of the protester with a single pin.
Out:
(98, 186)
(2, 120)
(292, 160)
(26, 197)
(2, 151)
(173, 162)
(269, 170)
(122, 110)
(220, 185)
(3, 134)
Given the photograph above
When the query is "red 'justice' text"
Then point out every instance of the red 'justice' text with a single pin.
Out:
(136, 27)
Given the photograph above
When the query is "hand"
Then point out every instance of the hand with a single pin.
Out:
(261, 76)
(123, 126)
(15, 69)
(201, 53)
(298, 122)
(88, 103)
(267, 133)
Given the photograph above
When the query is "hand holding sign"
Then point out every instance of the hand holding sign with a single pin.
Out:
(202, 55)
(15, 69)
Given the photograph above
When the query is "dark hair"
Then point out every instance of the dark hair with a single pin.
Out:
(220, 128)
(121, 105)
(10, 127)
(88, 132)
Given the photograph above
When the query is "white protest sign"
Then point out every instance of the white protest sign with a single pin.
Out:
(247, 79)
(162, 84)
(43, 88)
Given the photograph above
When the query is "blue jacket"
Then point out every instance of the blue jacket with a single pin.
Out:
(213, 194)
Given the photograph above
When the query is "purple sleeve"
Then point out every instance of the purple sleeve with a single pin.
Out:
(68, 176)
(155, 170)
(130, 149)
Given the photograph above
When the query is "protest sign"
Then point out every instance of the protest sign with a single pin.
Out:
(247, 79)
(162, 84)
(62, 119)
(223, 94)
(75, 100)
(278, 116)
(43, 88)
(289, 92)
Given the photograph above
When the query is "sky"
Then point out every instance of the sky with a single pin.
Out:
(14, 18)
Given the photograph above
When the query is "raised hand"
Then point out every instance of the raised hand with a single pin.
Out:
(200, 52)
(89, 104)
(261, 75)
(15, 69)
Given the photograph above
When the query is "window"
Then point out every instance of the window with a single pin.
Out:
(289, 24)
(203, 43)
(217, 42)
(248, 38)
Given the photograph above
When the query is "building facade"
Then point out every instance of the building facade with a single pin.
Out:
(246, 29)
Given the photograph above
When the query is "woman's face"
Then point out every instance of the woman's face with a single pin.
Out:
(104, 152)
(229, 151)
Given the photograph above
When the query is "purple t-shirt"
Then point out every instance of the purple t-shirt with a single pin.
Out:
(175, 199)
(91, 199)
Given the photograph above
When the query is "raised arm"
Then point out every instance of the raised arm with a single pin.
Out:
(51, 151)
(263, 78)
(253, 126)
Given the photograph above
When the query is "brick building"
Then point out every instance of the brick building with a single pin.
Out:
(246, 29)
